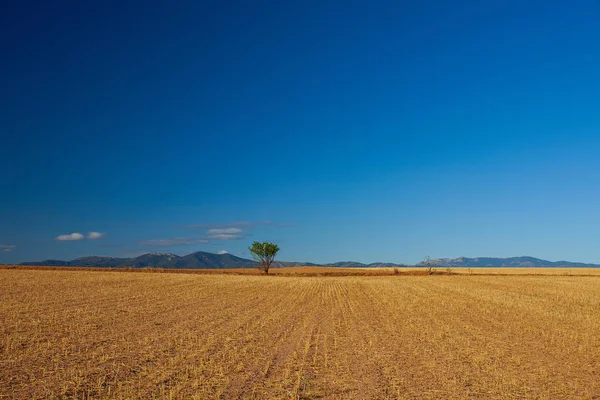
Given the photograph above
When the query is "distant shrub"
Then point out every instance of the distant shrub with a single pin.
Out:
(429, 264)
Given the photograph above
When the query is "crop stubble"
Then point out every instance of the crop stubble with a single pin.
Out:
(131, 335)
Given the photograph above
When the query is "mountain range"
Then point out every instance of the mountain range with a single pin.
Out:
(155, 260)
(206, 260)
(504, 262)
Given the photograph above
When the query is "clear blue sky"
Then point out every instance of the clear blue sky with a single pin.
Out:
(342, 130)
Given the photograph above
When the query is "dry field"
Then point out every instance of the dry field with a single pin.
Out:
(75, 334)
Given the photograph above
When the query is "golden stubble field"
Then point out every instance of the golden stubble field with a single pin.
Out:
(77, 334)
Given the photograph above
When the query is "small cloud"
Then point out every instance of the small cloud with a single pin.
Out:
(239, 225)
(227, 231)
(95, 235)
(223, 252)
(7, 247)
(70, 237)
(226, 236)
(220, 231)
(183, 241)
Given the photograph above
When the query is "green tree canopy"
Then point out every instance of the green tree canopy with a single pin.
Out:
(264, 254)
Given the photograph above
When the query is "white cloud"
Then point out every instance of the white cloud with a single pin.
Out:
(228, 231)
(70, 237)
(182, 241)
(239, 225)
(7, 247)
(220, 231)
(223, 252)
(95, 235)
(226, 236)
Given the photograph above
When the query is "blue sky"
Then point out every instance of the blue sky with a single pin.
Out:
(342, 130)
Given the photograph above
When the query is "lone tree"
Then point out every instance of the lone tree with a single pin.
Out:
(264, 254)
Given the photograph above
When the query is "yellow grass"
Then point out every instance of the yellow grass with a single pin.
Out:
(132, 335)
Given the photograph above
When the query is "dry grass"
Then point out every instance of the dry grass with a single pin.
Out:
(132, 335)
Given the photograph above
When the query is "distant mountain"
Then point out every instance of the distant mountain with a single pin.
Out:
(504, 262)
(48, 263)
(354, 264)
(347, 264)
(154, 260)
(209, 260)
(204, 260)
(386, 265)
(96, 261)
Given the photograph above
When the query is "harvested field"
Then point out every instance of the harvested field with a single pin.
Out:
(92, 334)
